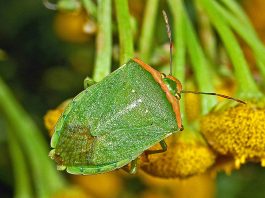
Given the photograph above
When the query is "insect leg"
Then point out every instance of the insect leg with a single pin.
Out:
(88, 82)
(163, 145)
(133, 168)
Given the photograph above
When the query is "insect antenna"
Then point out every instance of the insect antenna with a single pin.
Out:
(169, 37)
(215, 94)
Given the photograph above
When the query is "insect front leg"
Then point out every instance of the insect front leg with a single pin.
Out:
(163, 145)
(88, 82)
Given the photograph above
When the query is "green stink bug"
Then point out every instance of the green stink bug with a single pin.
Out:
(113, 121)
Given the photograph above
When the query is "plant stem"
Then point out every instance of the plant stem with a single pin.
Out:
(200, 66)
(104, 41)
(206, 33)
(246, 31)
(147, 33)
(20, 172)
(180, 48)
(90, 7)
(46, 178)
(237, 11)
(247, 87)
(125, 30)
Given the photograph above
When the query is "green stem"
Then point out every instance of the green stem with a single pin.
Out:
(200, 67)
(147, 33)
(125, 30)
(20, 172)
(237, 11)
(104, 41)
(46, 178)
(247, 32)
(179, 58)
(247, 87)
(90, 7)
(206, 33)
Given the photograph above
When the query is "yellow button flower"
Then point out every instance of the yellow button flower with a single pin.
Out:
(238, 131)
(74, 27)
(187, 154)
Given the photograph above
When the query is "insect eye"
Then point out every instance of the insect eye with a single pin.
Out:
(163, 75)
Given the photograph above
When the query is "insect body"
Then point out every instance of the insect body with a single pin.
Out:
(112, 122)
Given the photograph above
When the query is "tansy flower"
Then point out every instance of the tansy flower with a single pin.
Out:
(238, 131)
(74, 27)
(188, 154)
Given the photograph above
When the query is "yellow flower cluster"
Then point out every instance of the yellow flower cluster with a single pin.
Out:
(74, 27)
(238, 131)
(187, 155)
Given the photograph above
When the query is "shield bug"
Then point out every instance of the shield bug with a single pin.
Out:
(112, 122)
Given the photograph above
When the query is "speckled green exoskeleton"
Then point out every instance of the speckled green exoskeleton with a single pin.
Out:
(112, 122)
